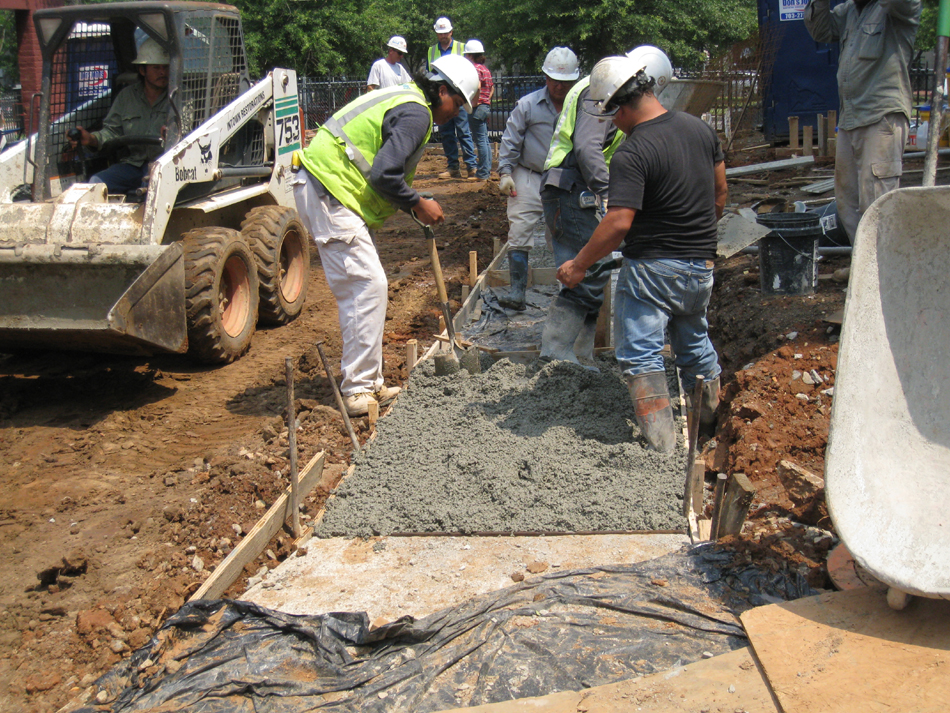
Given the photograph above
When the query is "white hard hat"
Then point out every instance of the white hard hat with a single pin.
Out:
(561, 65)
(442, 25)
(607, 77)
(654, 62)
(461, 75)
(398, 43)
(151, 53)
(474, 47)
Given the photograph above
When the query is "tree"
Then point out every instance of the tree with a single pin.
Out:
(8, 49)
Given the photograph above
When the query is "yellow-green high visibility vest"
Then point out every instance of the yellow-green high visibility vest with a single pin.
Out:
(435, 51)
(562, 141)
(342, 152)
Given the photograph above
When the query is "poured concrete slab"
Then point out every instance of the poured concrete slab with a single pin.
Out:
(390, 577)
(888, 462)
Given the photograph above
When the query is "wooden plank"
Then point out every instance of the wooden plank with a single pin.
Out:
(720, 493)
(807, 145)
(735, 505)
(822, 124)
(542, 276)
(848, 651)
(793, 132)
(819, 187)
(262, 533)
(699, 486)
(770, 166)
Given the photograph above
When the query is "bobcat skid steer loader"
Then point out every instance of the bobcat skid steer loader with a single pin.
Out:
(193, 260)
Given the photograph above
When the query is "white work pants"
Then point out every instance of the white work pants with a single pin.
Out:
(525, 209)
(868, 164)
(356, 279)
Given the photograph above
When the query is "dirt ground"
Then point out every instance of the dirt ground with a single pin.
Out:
(129, 479)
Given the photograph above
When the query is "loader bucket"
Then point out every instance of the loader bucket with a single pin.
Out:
(126, 299)
(887, 465)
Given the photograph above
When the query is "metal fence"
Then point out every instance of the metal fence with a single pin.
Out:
(320, 98)
(11, 114)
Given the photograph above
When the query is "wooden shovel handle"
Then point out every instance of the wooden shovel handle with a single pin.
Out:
(437, 269)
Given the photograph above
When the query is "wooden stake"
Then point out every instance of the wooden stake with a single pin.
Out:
(793, 132)
(412, 353)
(495, 247)
(822, 135)
(735, 505)
(602, 330)
(373, 414)
(807, 148)
(692, 421)
(721, 481)
(472, 267)
(292, 443)
(465, 291)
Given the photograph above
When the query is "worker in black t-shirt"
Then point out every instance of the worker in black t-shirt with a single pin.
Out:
(667, 191)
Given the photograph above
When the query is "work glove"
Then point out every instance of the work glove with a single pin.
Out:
(507, 184)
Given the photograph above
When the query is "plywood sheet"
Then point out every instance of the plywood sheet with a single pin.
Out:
(848, 651)
(723, 684)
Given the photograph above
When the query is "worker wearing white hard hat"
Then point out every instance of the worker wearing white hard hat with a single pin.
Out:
(521, 153)
(667, 192)
(140, 110)
(574, 191)
(357, 171)
(478, 119)
(456, 133)
(389, 71)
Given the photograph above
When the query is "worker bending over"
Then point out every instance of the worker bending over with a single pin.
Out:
(359, 170)
(573, 193)
(524, 146)
(667, 191)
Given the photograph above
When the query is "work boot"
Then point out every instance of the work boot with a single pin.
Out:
(651, 405)
(518, 272)
(564, 322)
(584, 344)
(358, 404)
(707, 409)
(451, 173)
(385, 394)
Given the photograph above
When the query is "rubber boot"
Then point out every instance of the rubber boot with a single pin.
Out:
(707, 409)
(584, 344)
(561, 327)
(518, 272)
(651, 405)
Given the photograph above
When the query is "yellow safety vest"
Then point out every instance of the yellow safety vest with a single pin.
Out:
(562, 141)
(435, 51)
(342, 152)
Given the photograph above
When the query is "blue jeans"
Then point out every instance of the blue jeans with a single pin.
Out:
(121, 177)
(653, 295)
(456, 132)
(570, 227)
(478, 122)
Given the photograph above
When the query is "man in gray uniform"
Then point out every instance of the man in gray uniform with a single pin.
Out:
(524, 146)
(877, 40)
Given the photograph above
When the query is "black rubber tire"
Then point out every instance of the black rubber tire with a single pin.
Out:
(221, 294)
(282, 249)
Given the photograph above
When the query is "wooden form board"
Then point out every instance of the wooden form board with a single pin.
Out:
(849, 651)
(256, 540)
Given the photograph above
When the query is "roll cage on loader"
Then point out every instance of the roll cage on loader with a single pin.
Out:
(212, 245)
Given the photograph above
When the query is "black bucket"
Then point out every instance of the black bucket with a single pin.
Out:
(788, 256)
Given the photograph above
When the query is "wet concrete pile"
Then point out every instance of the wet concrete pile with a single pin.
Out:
(509, 451)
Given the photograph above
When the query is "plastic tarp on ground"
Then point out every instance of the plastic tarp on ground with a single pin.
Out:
(564, 631)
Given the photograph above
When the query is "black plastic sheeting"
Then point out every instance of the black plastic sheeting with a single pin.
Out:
(509, 330)
(564, 631)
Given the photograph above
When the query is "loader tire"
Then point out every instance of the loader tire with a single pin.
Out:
(282, 250)
(221, 294)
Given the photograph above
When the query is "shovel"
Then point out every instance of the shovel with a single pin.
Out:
(459, 356)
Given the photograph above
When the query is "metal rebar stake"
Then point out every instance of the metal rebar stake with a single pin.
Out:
(292, 444)
(339, 397)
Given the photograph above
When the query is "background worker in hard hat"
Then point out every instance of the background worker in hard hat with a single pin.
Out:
(877, 41)
(455, 134)
(359, 169)
(524, 146)
(139, 110)
(478, 119)
(573, 192)
(388, 71)
(667, 191)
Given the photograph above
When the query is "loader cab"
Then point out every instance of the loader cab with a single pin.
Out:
(88, 53)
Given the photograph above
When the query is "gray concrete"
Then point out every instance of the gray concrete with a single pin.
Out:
(888, 460)
(507, 452)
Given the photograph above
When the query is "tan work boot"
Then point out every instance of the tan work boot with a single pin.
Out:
(451, 173)
(651, 405)
(358, 404)
(386, 394)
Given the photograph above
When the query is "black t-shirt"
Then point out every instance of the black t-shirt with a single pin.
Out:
(665, 171)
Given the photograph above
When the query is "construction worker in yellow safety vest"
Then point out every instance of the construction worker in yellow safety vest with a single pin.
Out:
(456, 132)
(357, 171)
(574, 196)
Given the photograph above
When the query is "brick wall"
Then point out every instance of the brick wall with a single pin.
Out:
(30, 60)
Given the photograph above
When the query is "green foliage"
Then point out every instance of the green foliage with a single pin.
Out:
(8, 49)
(927, 32)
